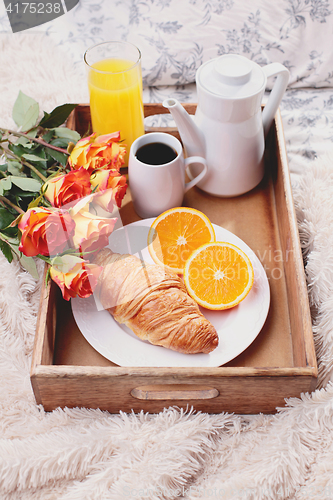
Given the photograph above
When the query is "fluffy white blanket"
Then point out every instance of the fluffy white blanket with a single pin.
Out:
(87, 454)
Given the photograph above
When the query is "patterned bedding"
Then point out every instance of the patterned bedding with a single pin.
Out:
(177, 36)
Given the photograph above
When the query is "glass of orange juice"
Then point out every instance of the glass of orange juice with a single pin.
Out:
(115, 88)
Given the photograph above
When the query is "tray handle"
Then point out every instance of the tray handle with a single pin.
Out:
(174, 391)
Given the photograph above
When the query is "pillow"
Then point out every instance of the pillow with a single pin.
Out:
(177, 36)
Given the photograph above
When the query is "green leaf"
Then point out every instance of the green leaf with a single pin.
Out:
(15, 168)
(48, 136)
(60, 142)
(45, 117)
(30, 157)
(59, 157)
(22, 198)
(25, 111)
(18, 150)
(38, 152)
(6, 250)
(38, 158)
(31, 118)
(35, 176)
(6, 218)
(67, 133)
(32, 133)
(12, 241)
(30, 265)
(23, 141)
(35, 202)
(5, 184)
(25, 183)
(9, 246)
(57, 117)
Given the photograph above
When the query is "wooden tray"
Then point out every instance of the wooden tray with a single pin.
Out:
(280, 363)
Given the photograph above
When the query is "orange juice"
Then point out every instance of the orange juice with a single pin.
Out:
(115, 87)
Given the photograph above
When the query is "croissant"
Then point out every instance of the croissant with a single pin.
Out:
(153, 303)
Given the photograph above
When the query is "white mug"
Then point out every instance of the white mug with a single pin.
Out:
(156, 188)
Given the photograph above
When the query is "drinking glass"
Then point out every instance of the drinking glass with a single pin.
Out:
(115, 88)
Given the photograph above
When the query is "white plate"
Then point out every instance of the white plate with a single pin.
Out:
(237, 327)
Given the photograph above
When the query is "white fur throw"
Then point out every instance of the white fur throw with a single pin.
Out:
(84, 454)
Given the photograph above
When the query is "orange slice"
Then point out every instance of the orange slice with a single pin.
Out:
(218, 275)
(175, 234)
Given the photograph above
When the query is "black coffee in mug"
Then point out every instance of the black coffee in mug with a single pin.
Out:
(156, 153)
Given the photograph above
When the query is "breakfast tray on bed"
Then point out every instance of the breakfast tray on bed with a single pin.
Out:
(280, 363)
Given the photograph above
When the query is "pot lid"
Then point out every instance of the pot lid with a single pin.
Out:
(231, 76)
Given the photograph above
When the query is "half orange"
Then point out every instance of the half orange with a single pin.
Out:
(175, 234)
(218, 275)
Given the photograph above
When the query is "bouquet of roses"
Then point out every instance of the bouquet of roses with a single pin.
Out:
(53, 187)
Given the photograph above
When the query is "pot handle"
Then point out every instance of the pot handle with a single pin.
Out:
(194, 180)
(282, 73)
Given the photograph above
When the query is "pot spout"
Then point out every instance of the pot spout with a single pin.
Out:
(192, 137)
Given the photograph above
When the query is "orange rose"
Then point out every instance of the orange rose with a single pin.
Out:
(101, 152)
(45, 231)
(109, 188)
(66, 188)
(76, 278)
(91, 231)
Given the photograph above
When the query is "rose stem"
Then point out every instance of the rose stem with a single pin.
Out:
(4, 200)
(34, 169)
(34, 139)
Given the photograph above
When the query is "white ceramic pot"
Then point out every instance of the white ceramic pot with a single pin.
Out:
(229, 127)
